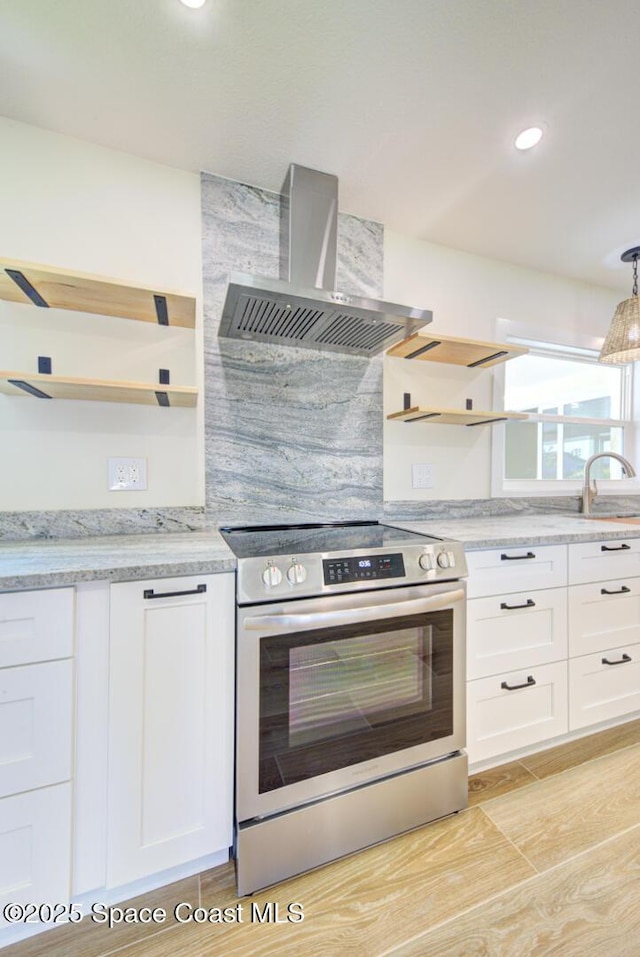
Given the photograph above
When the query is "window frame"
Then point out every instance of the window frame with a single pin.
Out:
(569, 346)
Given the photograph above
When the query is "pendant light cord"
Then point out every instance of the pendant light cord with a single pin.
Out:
(635, 275)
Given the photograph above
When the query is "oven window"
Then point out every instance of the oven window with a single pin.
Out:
(331, 698)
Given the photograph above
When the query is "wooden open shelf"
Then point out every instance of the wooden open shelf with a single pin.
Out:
(437, 416)
(96, 390)
(58, 288)
(462, 352)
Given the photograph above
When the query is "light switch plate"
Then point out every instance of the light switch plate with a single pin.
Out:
(127, 475)
(422, 475)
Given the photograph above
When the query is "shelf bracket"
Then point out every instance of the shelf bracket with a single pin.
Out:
(23, 283)
(164, 377)
(161, 310)
(31, 389)
(427, 348)
(498, 418)
(479, 362)
(427, 415)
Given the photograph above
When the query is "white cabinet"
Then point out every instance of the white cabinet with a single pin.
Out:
(36, 700)
(516, 568)
(36, 626)
(604, 685)
(170, 723)
(553, 642)
(518, 630)
(604, 631)
(35, 726)
(516, 648)
(603, 615)
(602, 561)
(35, 842)
(516, 709)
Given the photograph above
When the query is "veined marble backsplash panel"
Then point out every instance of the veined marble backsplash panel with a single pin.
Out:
(291, 435)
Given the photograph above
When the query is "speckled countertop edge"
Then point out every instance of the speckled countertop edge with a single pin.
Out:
(119, 558)
(531, 529)
(112, 558)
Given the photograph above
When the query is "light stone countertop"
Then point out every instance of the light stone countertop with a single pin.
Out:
(535, 528)
(40, 563)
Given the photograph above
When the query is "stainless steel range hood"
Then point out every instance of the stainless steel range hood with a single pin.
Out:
(303, 308)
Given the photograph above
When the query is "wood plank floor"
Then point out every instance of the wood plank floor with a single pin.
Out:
(546, 860)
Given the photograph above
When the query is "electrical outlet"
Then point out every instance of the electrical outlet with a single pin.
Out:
(422, 475)
(127, 475)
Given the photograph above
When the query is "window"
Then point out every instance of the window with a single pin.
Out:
(577, 407)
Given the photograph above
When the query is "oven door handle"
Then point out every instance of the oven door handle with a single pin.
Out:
(353, 616)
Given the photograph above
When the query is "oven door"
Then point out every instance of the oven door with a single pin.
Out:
(339, 691)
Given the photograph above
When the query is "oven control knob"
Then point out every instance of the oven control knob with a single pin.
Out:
(271, 576)
(296, 573)
(426, 561)
(443, 560)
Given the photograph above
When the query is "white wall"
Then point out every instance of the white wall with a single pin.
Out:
(467, 295)
(81, 207)
(71, 204)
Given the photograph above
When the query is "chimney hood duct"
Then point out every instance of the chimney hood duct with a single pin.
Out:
(303, 308)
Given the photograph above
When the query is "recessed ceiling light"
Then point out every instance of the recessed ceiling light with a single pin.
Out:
(528, 138)
(194, 3)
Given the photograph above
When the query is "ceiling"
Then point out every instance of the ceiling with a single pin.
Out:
(414, 104)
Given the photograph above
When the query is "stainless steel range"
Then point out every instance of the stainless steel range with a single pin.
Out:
(350, 703)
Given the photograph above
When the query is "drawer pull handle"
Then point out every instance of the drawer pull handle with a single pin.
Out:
(621, 661)
(517, 558)
(612, 591)
(529, 683)
(150, 593)
(529, 603)
(615, 548)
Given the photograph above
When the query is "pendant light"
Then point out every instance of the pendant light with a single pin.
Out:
(622, 343)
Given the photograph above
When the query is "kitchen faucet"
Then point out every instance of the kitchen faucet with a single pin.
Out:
(589, 493)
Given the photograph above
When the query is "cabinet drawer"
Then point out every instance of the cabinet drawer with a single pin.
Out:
(36, 626)
(35, 726)
(500, 720)
(604, 685)
(35, 837)
(516, 569)
(602, 561)
(519, 630)
(603, 615)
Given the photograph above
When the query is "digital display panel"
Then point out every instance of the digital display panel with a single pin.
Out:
(340, 570)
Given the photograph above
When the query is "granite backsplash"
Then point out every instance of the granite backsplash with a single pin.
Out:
(18, 526)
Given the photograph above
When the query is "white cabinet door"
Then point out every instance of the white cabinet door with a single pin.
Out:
(604, 685)
(603, 615)
(36, 626)
(603, 561)
(519, 630)
(35, 840)
(515, 710)
(514, 569)
(35, 726)
(170, 723)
